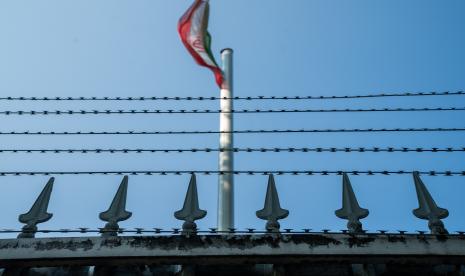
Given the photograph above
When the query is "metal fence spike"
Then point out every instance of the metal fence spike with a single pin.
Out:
(351, 210)
(38, 212)
(272, 210)
(428, 210)
(117, 211)
(190, 211)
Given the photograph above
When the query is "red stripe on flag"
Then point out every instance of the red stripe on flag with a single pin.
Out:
(184, 27)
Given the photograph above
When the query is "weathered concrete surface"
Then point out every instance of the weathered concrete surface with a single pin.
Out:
(237, 249)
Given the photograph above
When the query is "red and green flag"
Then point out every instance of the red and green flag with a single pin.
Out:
(193, 29)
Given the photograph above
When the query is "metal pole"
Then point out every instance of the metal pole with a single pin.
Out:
(226, 161)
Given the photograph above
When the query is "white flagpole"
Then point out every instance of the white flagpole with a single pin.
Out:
(226, 160)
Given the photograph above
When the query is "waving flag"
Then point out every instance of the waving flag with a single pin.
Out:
(192, 28)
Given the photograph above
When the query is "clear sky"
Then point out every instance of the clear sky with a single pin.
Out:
(297, 47)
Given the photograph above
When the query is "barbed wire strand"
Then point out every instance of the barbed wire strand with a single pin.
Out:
(211, 111)
(246, 150)
(245, 172)
(252, 131)
(248, 98)
(178, 231)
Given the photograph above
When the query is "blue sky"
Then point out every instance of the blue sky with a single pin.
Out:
(302, 47)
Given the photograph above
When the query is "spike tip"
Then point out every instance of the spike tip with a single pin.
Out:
(351, 210)
(38, 212)
(190, 211)
(428, 209)
(272, 211)
(117, 211)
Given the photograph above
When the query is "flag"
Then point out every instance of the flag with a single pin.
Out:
(192, 28)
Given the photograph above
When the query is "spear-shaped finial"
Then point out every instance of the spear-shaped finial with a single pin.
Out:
(428, 209)
(351, 210)
(117, 211)
(38, 212)
(272, 210)
(190, 211)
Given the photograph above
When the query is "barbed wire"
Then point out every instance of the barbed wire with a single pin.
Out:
(178, 231)
(252, 131)
(212, 111)
(237, 172)
(246, 150)
(248, 98)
